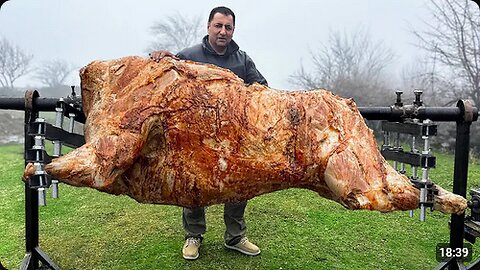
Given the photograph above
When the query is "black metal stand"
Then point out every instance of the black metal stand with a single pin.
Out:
(34, 254)
(464, 114)
(460, 176)
(32, 104)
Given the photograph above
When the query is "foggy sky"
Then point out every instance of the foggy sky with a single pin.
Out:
(277, 34)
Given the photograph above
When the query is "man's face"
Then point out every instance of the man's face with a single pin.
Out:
(220, 31)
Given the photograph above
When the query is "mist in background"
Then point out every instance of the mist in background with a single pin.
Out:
(278, 35)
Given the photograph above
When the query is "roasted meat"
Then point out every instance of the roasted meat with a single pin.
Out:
(190, 134)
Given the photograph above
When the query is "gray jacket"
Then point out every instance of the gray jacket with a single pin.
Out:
(234, 59)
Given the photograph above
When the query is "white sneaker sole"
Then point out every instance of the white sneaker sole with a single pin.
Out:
(190, 257)
(241, 250)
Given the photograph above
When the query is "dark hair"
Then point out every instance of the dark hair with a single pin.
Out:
(224, 10)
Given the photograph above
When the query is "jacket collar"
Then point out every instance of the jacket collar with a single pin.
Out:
(232, 47)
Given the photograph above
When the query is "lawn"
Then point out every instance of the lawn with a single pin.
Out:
(296, 229)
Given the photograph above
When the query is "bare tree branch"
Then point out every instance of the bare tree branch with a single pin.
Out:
(175, 33)
(453, 36)
(14, 63)
(348, 65)
(54, 73)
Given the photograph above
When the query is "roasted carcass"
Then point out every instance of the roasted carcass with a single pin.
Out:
(189, 134)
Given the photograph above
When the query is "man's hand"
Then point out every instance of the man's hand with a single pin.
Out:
(158, 55)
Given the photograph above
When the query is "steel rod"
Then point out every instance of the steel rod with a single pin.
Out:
(440, 114)
(41, 104)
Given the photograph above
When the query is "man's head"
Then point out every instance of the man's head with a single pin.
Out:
(221, 25)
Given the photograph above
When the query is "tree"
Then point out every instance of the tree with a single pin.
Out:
(54, 73)
(14, 63)
(175, 33)
(452, 41)
(348, 65)
(439, 89)
(453, 37)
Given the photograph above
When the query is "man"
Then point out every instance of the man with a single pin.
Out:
(219, 49)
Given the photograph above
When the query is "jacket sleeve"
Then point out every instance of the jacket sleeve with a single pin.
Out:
(252, 73)
(181, 55)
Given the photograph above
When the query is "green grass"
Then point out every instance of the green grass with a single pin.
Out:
(296, 229)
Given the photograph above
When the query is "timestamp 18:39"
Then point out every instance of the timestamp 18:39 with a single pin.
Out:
(444, 252)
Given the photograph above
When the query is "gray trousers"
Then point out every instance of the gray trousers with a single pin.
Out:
(195, 225)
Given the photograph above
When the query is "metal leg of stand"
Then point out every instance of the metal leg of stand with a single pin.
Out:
(26, 262)
(475, 265)
(34, 255)
(451, 264)
(31, 200)
(46, 261)
(460, 175)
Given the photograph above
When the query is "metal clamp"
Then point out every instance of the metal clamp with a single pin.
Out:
(57, 144)
(37, 154)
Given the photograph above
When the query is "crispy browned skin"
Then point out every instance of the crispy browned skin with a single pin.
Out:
(189, 134)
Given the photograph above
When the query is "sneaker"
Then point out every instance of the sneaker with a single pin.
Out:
(190, 249)
(246, 247)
